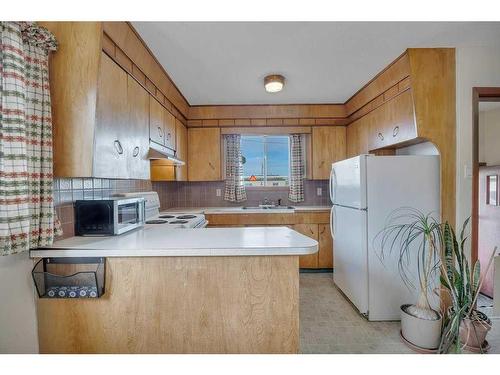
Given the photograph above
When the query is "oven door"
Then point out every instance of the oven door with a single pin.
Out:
(129, 214)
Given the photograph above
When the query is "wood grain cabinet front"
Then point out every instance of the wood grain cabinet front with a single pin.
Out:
(392, 123)
(328, 146)
(325, 240)
(309, 230)
(137, 138)
(156, 129)
(204, 154)
(110, 152)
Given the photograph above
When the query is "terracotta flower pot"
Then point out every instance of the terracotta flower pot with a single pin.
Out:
(423, 333)
(473, 331)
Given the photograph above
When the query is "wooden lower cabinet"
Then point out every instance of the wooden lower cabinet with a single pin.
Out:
(325, 253)
(314, 224)
(238, 304)
(309, 230)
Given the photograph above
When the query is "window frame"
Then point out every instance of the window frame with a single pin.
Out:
(274, 188)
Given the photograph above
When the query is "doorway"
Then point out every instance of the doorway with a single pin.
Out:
(486, 194)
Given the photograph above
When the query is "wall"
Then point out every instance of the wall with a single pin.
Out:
(475, 67)
(18, 323)
(489, 135)
(489, 228)
(203, 194)
(425, 148)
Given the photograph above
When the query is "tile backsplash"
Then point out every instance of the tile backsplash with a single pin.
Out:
(172, 194)
(68, 190)
(204, 194)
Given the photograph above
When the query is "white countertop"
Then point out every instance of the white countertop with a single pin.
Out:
(158, 241)
(239, 210)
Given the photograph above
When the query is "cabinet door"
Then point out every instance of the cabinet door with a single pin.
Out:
(138, 131)
(156, 112)
(393, 122)
(309, 230)
(110, 157)
(328, 146)
(402, 126)
(204, 149)
(325, 253)
(169, 129)
(181, 150)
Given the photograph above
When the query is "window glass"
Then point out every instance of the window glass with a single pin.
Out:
(266, 160)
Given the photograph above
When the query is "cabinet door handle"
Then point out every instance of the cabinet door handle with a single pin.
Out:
(211, 166)
(310, 230)
(168, 136)
(395, 131)
(380, 136)
(160, 132)
(135, 152)
(118, 147)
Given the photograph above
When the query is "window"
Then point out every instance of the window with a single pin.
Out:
(266, 160)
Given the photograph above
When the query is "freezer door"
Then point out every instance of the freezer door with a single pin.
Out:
(348, 182)
(350, 256)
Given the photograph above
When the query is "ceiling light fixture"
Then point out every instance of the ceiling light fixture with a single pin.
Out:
(274, 83)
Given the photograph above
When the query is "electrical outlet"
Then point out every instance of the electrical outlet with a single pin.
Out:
(467, 171)
(319, 192)
(218, 192)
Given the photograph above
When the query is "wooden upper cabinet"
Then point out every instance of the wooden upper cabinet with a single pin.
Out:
(392, 123)
(137, 137)
(110, 146)
(204, 154)
(181, 137)
(309, 230)
(156, 128)
(169, 129)
(325, 252)
(328, 146)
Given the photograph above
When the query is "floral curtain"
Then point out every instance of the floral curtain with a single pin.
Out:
(235, 188)
(296, 193)
(27, 218)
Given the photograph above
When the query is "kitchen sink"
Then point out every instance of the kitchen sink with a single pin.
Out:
(269, 208)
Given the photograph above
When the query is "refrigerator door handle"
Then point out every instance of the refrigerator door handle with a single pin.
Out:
(332, 223)
(330, 185)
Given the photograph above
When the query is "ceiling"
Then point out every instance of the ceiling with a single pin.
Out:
(323, 62)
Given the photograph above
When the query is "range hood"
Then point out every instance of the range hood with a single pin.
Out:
(160, 152)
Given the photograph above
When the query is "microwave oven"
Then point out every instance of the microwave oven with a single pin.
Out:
(108, 217)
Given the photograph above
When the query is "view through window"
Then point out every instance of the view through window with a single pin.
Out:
(266, 160)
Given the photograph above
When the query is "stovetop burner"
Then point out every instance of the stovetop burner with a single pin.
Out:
(156, 221)
(166, 216)
(186, 217)
(178, 222)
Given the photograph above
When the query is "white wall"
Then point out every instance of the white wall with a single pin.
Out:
(18, 322)
(475, 67)
(425, 148)
(489, 136)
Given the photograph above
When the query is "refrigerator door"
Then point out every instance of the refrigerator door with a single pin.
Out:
(395, 182)
(348, 182)
(350, 255)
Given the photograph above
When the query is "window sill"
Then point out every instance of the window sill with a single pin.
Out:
(273, 188)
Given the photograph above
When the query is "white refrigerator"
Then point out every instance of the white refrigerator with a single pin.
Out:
(364, 191)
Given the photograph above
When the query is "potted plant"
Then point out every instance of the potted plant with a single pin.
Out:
(464, 326)
(416, 237)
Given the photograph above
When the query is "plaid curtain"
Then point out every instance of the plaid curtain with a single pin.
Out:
(235, 189)
(27, 218)
(296, 193)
